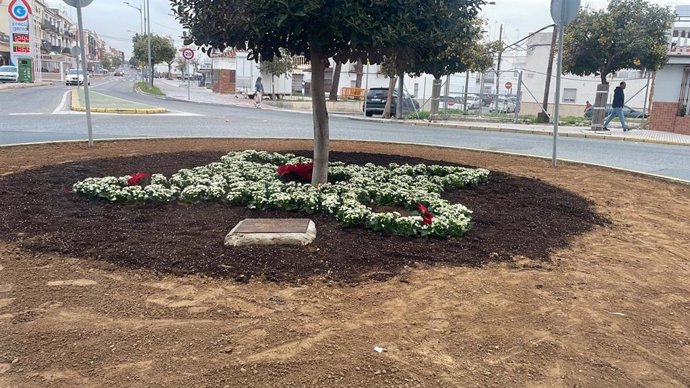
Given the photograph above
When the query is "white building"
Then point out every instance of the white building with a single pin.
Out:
(672, 82)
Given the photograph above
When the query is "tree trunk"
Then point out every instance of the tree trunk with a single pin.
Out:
(336, 81)
(435, 94)
(389, 98)
(543, 117)
(359, 69)
(320, 117)
(599, 108)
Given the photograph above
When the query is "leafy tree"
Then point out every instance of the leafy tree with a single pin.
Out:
(116, 61)
(629, 34)
(279, 65)
(464, 53)
(133, 61)
(106, 62)
(161, 49)
(344, 30)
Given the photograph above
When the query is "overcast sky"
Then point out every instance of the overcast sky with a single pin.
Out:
(115, 21)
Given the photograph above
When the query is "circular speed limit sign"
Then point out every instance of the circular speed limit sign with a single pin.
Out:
(188, 53)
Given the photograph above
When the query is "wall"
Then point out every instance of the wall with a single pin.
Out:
(667, 83)
(533, 108)
(226, 82)
(665, 118)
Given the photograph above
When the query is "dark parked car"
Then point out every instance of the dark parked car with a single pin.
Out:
(119, 73)
(376, 102)
(627, 112)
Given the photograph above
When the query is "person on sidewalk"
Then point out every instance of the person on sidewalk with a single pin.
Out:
(617, 108)
(258, 92)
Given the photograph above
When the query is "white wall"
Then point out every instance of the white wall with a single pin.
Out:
(667, 83)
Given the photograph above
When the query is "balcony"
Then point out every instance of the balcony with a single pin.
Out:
(679, 46)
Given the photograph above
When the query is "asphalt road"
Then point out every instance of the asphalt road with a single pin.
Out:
(41, 115)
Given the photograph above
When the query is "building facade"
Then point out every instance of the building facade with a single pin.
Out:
(672, 82)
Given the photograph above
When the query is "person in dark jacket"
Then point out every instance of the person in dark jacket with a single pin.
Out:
(617, 105)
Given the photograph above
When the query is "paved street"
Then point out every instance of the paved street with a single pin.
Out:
(41, 114)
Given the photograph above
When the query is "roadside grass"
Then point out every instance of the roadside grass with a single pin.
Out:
(148, 89)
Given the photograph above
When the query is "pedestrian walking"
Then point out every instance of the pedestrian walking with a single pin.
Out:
(258, 92)
(617, 107)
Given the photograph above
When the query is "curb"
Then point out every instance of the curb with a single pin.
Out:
(12, 86)
(76, 106)
(528, 131)
(641, 173)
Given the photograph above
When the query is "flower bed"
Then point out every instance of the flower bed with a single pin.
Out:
(250, 178)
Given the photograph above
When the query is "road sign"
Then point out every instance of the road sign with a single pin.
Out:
(564, 11)
(509, 85)
(77, 3)
(188, 54)
(75, 51)
(19, 10)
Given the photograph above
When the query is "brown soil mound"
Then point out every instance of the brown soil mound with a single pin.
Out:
(587, 305)
(514, 217)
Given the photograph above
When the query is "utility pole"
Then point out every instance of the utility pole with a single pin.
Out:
(498, 65)
(543, 117)
(148, 15)
(467, 84)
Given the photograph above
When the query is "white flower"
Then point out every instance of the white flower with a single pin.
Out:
(248, 178)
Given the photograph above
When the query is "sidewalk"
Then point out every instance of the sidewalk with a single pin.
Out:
(177, 90)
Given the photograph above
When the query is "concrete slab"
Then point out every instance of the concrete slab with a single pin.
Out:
(272, 231)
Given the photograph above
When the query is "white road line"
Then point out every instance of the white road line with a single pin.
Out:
(62, 102)
(25, 114)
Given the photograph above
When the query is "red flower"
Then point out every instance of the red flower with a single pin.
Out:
(296, 172)
(136, 178)
(427, 216)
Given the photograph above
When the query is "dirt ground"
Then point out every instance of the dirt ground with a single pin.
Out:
(604, 301)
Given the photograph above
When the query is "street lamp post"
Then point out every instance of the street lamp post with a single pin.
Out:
(141, 15)
(145, 14)
(148, 22)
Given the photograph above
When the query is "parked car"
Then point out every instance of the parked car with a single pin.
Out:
(376, 102)
(8, 74)
(76, 77)
(473, 101)
(627, 112)
(119, 73)
(505, 105)
(451, 100)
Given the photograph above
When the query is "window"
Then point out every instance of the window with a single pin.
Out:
(569, 95)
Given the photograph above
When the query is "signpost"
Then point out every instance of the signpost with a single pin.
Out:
(21, 38)
(78, 4)
(188, 54)
(509, 85)
(562, 13)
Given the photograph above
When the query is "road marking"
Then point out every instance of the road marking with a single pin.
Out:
(62, 102)
(25, 114)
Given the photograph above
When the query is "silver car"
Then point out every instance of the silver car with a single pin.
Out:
(8, 74)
